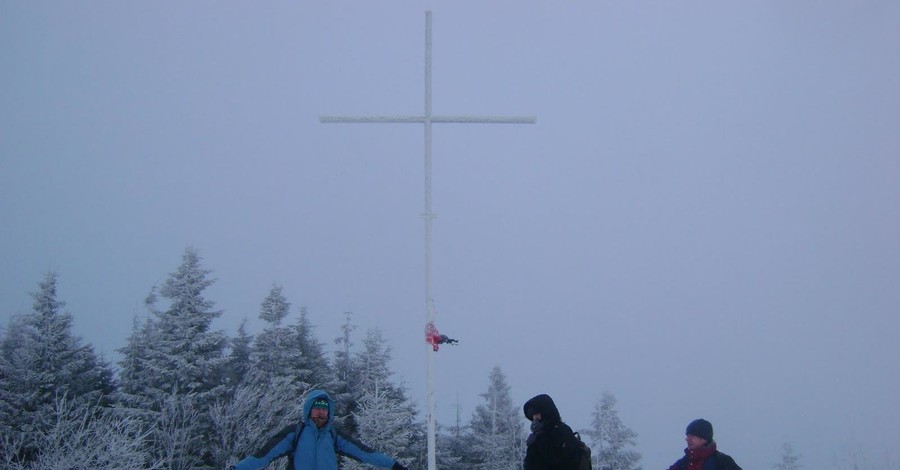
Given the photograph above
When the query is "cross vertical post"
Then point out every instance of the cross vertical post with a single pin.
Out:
(428, 119)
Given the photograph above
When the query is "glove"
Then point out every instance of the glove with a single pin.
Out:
(397, 466)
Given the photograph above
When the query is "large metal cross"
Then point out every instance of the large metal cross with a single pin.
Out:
(428, 119)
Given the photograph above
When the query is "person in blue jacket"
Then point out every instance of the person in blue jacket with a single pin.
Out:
(314, 444)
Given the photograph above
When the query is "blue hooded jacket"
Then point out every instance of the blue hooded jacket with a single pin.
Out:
(316, 448)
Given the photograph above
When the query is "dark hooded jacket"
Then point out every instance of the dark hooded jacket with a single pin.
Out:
(552, 444)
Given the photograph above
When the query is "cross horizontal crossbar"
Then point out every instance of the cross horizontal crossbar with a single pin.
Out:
(434, 119)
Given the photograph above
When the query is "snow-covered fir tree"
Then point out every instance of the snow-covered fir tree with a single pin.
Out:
(42, 362)
(317, 367)
(12, 366)
(385, 424)
(269, 396)
(239, 363)
(177, 369)
(185, 355)
(134, 377)
(247, 419)
(343, 359)
(345, 372)
(610, 438)
(383, 416)
(275, 353)
(789, 459)
(275, 307)
(496, 436)
(85, 436)
(179, 434)
(374, 365)
(451, 442)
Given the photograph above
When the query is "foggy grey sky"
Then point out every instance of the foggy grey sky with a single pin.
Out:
(703, 221)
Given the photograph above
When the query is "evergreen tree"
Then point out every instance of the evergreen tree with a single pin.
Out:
(239, 363)
(42, 362)
(186, 354)
(12, 416)
(83, 436)
(134, 377)
(384, 417)
(374, 365)
(345, 369)
(246, 420)
(275, 354)
(275, 306)
(385, 424)
(175, 372)
(277, 358)
(371, 371)
(789, 460)
(451, 444)
(175, 348)
(610, 438)
(282, 363)
(496, 435)
(319, 373)
(345, 375)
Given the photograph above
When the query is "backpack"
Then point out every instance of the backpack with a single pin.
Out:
(583, 461)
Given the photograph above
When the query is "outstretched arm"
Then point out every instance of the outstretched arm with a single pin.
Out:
(362, 453)
(278, 446)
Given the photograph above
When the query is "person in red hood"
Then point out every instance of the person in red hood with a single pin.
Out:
(701, 452)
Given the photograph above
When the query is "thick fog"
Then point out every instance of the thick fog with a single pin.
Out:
(703, 221)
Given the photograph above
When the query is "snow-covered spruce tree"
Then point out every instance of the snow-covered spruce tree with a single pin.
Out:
(178, 365)
(86, 436)
(275, 353)
(183, 353)
(312, 355)
(610, 438)
(789, 459)
(451, 443)
(379, 399)
(496, 436)
(385, 424)
(178, 434)
(270, 394)
(42, 362)
(245, 421)
(239, 364)
(12, 366)
(134, 377)
(345, 379)
(374, 366)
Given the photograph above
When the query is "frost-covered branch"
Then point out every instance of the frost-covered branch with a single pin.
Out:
(254, 413)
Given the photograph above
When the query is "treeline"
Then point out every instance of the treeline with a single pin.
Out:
(186, 396)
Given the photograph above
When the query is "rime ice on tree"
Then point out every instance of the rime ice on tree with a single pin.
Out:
(428, 119)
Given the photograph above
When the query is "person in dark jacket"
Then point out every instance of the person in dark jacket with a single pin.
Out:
(701, 452)
(552, 444)
(314, 444)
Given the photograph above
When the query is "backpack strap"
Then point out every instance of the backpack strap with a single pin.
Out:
(290, 455)
(300, 427)
(297, 436)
